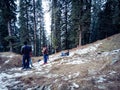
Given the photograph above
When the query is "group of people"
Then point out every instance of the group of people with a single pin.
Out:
(26, 51)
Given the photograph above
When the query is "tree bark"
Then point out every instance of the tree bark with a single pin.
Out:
(9, 33)
(66, 32)
(80, 34)
(34, 27)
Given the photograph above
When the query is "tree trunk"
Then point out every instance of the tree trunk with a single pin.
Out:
(9, 33)
(80, 35)
(27, 16)
(66, 41)
(40, 44)
(34, 27)
(26, 13)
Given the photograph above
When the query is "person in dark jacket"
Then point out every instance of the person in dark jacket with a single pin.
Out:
(26, 50)
(45, 54)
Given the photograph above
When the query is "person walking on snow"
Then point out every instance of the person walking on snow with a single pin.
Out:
(45, 54)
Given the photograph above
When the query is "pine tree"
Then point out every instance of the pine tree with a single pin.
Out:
(23, 21)
(76, 16)
(55, 27)
(8, 9)
(107, 20)
(40, 25)
(65, 24)
(35, 38)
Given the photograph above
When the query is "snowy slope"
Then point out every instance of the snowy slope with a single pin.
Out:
(86, 68)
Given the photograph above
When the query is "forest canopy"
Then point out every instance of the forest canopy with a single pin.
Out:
(73, 23)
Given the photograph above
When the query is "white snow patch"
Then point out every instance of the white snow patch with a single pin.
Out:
(6, 61)
(72, 53)
(101, 79)
(105, 53)
(62, 61)
(59, 85)
(74, 85)
(15, 69)
(71, 76)
(79, 51)
(88, 49)
(2, 75)
(8, 78)
(115, 51)
(75, 62)
(92, 71)
(11, 56)
(76, 74)
(102, 87)
(37, 66)
(112, 72)
(5, 80)
(3, 87)
(53, 58)
(51, 75)
(114, 61)
(8, 56)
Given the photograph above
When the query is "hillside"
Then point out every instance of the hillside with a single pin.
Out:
(94, 66)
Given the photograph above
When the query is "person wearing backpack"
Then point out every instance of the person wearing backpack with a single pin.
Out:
(26, 51)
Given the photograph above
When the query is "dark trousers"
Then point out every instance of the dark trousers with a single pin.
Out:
(45, 58)
(25, 61)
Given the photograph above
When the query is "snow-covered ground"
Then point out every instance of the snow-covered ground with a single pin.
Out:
(8, 77)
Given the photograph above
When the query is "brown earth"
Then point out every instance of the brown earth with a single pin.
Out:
(98, 72)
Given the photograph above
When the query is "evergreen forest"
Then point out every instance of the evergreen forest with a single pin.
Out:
(73, 23)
